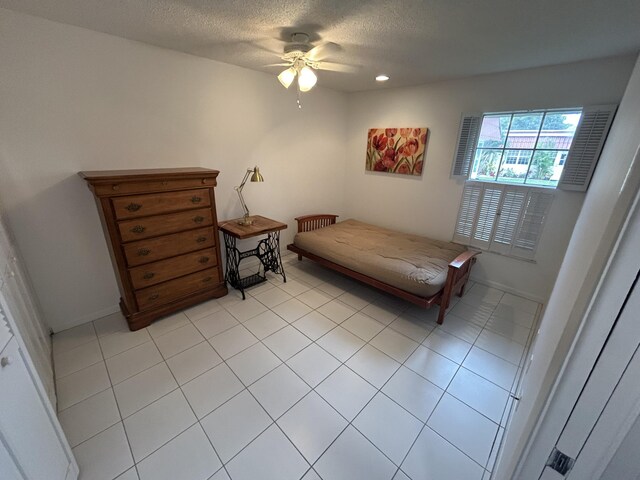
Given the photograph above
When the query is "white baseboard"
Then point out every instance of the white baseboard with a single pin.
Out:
(90, 317)
(509, 289)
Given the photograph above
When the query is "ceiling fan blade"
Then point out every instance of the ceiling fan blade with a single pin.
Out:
(278, 65)
(319, 52)
(337, 67)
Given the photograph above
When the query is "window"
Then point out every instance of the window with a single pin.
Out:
(516, 157)
(512, 162)
(548, 148)
(506, 219)
(524, 147)
(562, 158)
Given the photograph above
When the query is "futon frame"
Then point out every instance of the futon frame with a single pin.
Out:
(457, 276)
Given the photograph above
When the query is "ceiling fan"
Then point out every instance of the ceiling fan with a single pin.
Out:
(301, 59)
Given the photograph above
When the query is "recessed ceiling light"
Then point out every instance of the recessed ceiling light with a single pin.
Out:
(382, 78)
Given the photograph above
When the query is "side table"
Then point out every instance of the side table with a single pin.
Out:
(267, 251)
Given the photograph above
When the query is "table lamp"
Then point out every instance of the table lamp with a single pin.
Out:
(255, 177)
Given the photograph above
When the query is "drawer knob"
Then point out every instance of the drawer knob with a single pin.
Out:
(138, 229)
(198, 219)
(143, 252)
(155, 296)
(203, 259)
(4, 361)
(149, 275)
(201, 239)
(207, 279)
(133, 207)
(196, 199)
(116, 187)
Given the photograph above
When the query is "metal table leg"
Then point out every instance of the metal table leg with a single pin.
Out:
(269, 254)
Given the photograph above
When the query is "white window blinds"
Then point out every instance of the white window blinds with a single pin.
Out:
(502, 218)
(467, 140)
(586, 147)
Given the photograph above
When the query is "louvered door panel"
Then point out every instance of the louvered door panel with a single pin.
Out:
(491, 198)
(467, 212)
(508, 219)
(467, 140)
(586, 147)
(536, 209)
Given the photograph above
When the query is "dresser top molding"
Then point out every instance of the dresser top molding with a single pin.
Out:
(165, 178)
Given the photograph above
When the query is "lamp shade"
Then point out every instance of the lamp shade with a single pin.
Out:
(306, 79)
(257, 176)
(286, 77)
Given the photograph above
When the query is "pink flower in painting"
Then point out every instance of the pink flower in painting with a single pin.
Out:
(390, 157)
(417, 169)
(410, 147)
(379, 142)
(423, 139)
(390, 132)
(404, 168)
(416, 132)
(405, 132)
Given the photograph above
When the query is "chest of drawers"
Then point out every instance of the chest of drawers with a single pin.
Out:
(162, 233)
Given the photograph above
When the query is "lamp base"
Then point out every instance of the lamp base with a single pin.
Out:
(246, 221)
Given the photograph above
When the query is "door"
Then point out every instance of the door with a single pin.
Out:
(609, 403)
(16, 289)
(25, 426)
(32, 444)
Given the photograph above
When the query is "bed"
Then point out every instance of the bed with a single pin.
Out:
(420, 270)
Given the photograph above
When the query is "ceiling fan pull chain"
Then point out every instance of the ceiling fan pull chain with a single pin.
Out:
(298, 100)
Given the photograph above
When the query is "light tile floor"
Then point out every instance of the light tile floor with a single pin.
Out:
(318, 378)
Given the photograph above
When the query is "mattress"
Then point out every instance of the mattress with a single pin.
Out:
(412, 263)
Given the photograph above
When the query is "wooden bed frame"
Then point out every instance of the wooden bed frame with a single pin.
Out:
(457, 276)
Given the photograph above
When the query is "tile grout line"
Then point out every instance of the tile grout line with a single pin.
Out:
(115, 399)
(377, 302)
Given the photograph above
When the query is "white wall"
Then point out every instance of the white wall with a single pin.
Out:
(614, 186)
(73, 99)
(429, 205)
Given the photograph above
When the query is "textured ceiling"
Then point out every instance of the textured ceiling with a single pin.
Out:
(412, 41)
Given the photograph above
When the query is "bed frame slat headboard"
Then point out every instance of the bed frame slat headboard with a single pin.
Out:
(308, 223)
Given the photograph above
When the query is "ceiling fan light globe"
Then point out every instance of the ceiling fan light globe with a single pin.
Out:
(287, 76)
(306, 79)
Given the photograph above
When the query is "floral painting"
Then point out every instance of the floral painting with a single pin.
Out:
(396, 150)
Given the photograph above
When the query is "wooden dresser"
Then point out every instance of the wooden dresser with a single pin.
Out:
(161, 229)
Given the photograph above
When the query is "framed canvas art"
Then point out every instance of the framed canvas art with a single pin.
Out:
(396, 150)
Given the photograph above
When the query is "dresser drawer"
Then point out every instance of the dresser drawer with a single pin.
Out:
(142, 205)
(128, 187)
(153, 249)
(162, 224)
(158, 272)
(168, 291)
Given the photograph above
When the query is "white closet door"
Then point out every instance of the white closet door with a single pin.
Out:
(25, 423)
(609, 402)
(8, 468)
(34, 334)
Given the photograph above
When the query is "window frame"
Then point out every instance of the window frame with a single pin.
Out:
(533, 150)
